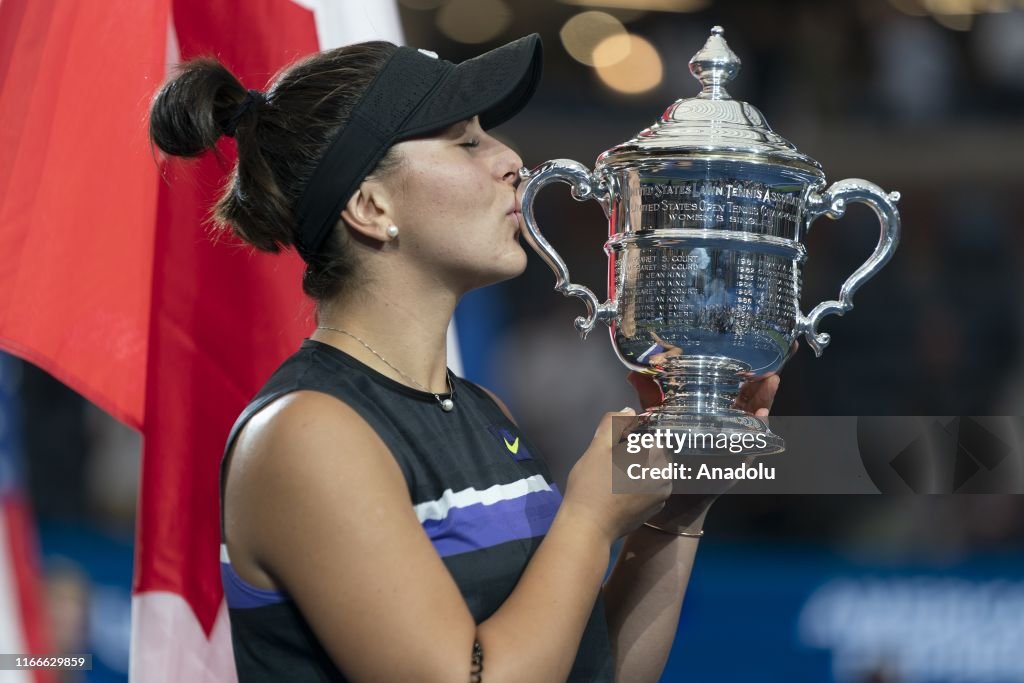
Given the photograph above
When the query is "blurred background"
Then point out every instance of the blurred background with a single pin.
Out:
(921, 96)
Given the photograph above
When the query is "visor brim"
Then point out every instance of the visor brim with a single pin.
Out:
(495, 85)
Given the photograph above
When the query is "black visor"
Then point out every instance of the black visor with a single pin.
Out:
(414, 94)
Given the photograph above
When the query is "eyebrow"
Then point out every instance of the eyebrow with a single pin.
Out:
(458, 129)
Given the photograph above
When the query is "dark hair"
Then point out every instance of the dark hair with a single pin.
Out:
(280, 140)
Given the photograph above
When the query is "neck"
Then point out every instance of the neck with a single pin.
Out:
(406, 324)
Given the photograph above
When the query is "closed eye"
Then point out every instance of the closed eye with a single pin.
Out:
(471, 143)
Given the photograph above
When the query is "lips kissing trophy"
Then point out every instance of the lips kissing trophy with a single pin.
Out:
(707, 212)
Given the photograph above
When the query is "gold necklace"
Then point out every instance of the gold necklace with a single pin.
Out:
(447, 404)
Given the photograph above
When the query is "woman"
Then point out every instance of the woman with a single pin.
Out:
(382, 519)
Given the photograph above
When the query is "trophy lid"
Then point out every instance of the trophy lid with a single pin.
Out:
(712, 124)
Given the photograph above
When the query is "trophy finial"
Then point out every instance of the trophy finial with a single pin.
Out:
(714, 66)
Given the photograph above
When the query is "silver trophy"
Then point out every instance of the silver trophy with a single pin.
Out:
(707, 211)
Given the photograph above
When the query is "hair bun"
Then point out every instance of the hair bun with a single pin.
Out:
(193, 109)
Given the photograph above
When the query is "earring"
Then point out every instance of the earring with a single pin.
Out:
(392, 231)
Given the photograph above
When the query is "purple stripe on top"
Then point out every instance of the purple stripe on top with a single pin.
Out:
(240, 594)
(481, 526)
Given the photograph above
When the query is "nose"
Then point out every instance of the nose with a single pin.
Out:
(511, 163)
(514, 177)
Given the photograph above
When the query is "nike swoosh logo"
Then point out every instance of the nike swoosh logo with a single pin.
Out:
(512, 447)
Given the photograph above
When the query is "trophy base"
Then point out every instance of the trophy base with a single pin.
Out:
(699, 392)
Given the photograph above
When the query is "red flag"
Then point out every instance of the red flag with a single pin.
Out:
(78, 191)
(77, 206)
(112, 283)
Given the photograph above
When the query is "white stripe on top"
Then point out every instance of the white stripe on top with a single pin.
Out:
(438, 509)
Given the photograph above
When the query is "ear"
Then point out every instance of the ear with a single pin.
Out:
(368, 212)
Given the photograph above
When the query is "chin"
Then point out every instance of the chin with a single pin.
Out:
(517, 262)
(504, 267)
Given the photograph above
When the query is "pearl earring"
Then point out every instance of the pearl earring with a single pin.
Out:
(392, 231)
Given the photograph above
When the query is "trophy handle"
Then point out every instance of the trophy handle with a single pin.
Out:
(832, 203)
(585, 185)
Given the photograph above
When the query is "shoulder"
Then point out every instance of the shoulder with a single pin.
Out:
(297, 418)
(304, 429)
(287, 452)
(494, 397)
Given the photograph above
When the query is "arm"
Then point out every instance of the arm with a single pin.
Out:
(644, 594)
(335, 528)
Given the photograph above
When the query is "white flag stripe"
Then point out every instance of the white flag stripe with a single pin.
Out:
(173, 52)
(11, 635)
(438, 509)
(168, 644)
(353, 21)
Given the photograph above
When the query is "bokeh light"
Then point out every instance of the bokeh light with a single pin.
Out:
(959, 7)
(954, 14)
(585, 31)
(956, 22)
(474, 21)
(639, 72)
(645, 5)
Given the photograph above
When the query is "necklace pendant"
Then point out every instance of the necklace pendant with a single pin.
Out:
(447, 404)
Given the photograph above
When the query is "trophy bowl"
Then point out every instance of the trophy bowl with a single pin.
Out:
(707, 212)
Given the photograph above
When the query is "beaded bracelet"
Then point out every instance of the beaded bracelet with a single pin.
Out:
(478, 663)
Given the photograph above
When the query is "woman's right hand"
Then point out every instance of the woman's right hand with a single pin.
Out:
(589, 487)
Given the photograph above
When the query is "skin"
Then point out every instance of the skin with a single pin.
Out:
(372, 587)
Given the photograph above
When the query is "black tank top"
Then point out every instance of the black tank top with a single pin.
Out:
(484, 496)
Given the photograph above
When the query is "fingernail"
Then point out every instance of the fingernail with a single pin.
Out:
(629, 410)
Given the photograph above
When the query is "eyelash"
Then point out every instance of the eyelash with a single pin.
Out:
(472, 143)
